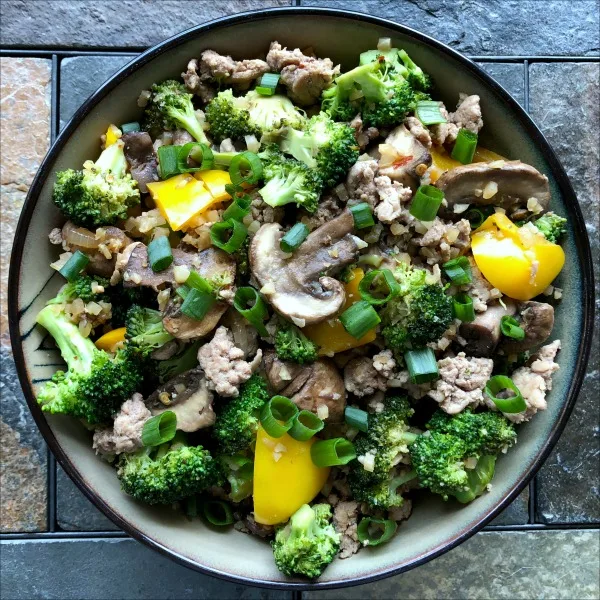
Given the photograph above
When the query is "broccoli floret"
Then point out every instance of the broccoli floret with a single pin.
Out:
(292, 344)
(96, 383)
(551, 226)
(387, 439)
(415, 76)
(307, 543)
(183, 361)
(122, 299)
(145, 331)
(325, 145)
(82, 288)
(99, 194)
(239, 471)
(168, 473)
(170, 107)
(420, 314)
(237, 421)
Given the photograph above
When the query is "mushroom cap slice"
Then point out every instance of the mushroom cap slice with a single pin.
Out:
(537, 320)
(183, 327)
(483, 334)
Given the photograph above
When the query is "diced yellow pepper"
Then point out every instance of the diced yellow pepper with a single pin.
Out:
(215, 181)
(110, 340)
(330, 336)
(442, 161)
(113, 133)
(485, 155)
(180, 198)
(285, 477)
(520, 262)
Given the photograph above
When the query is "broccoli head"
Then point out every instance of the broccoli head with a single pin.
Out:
(307, 543)
(551, 226)
(122, 299)
(99, 194)
(292, 344)
(82, 288)
(239, 471)
(144, 330)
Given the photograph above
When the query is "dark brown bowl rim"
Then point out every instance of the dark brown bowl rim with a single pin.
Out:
(579, 233)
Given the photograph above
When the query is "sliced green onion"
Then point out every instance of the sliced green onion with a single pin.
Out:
(278, 415)
(464, 147)
(512, 404)
(197, 304)
(476, 215)
(363, 217)
(373, 260)
(199, 153)
(198, 282)
(462, 306)
(217, 512)
(182, 291)
(373, 532)
(167, 161)
(228, 235)
(130, 127)
(160, 254)
(355, 417)
(238, 209)
(510, 327)
(73, 267)
(359, 319)
(332, 453)
(305, 426)
(458, 270)
(159, 429)
(252, 307)
(294, 237)
(268, 84)
(429, 113)
(426, 203)
(422, 365)
(245, 161)
(378, 276)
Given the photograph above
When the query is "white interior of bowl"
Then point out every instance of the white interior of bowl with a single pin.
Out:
(433, 522)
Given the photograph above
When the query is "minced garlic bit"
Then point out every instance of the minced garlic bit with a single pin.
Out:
(280, 448)
(496, 164)
(181, 273)
(254, 227)
(284, 374)
(62, 261)
(105, 251)
(533, 205)
(136, 278)
(268, 288)
(96, 288)
(322, 411)
(93, 308)
(299, 322)
(367, 461)
(360, 244)
(490, 190)
(460, 208)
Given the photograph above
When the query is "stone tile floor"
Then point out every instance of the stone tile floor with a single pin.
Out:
(544, 545)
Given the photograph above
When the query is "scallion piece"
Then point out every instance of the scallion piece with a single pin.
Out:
(462, 306)
(201, 154)
(196, 281)
(228, 235)
(268, 84)
(426, 203)
(363, 217)
(245, 167)
(476, 215)
(422, 365)
(73, 267)
(332, 452)
(359, 319)
(305, 426)
(278, 415)
(182, 291)
(217, 512)
(382, 278)
(197, 304)
(464, 147)
(252, 307)
(294, 237)
(373, 532)
(238, 209)
(160, 254)
(167, 161)
(130, 127)
(159, 429)
(510, 327)
(429, 113)
(511, 404)
(458, 270)
(355, 417)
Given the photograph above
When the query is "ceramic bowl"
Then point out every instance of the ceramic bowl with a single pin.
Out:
(435, 526)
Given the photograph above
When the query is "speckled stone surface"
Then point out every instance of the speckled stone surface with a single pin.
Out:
(564, 101)
(510, 76)
(493, 27)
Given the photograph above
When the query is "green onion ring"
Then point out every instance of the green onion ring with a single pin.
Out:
(510, 327)
(332, 452)
(514, 404)
(278, 415)
(385, 528)
(305, 426)
(247, 161)
(217, 512)
(355, 417)
(219, 231)
(159, 429)
(73, 267)
(256, 313)
(364, 287)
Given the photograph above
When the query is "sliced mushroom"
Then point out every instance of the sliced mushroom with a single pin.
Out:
(309, 386)
(188, 396)
(483, 334)
(508, 184)
(185, 328)
(140, 156)
(537, 320)
(300, 287)
(245, 335)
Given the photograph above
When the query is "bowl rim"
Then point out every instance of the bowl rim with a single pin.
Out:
(579, 234)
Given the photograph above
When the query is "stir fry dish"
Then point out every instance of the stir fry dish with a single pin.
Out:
(298, 300)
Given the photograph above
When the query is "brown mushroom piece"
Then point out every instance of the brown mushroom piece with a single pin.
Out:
(537, 320)
(483, 334)
(507, 184)
(300, 287)
(141, 158)
(308, 386)
(188, 396)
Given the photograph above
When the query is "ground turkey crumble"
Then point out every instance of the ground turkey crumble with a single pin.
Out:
(467, 116)
(480, 290)
(444, 241)
(345, 521)
(392, 198)
(362, 379)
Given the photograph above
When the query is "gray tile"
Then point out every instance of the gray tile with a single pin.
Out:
(74, 512)
(553, 564)
(517, 513)
(510, 76)
(108, 23)
(564, 101)
(493, 27)
(106, 569)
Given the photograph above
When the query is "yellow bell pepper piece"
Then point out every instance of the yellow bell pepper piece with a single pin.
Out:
(285, 477)
(113, 133)
(180, 198)
(330, 336)
(215, 181)
(441, 161)
(518, 261)
(485, 155)
(110, 340)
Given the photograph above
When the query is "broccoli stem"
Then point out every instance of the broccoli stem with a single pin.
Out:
(190, 123)
(112, 159)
